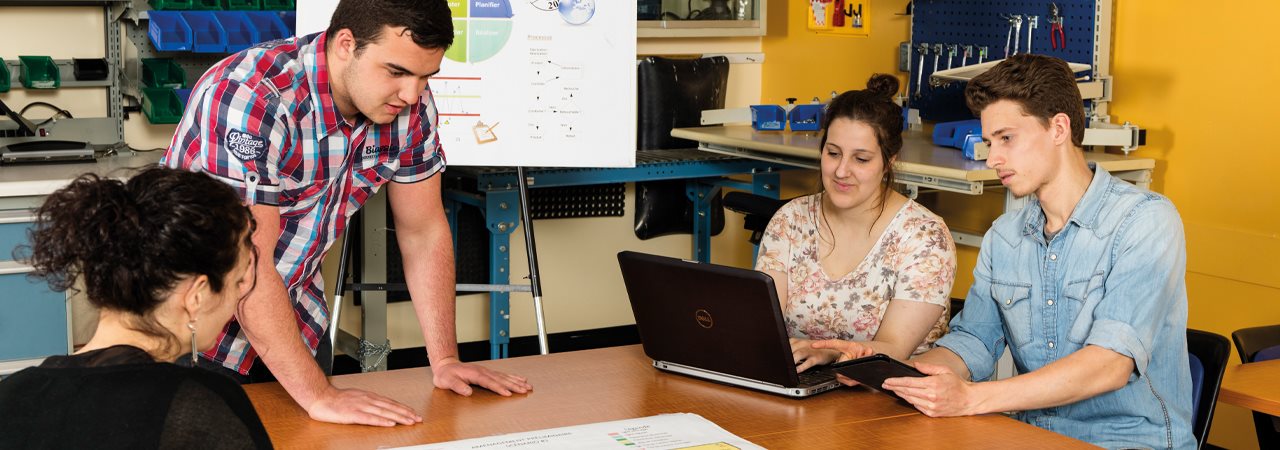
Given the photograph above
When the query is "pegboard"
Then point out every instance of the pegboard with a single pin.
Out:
(983, 23)
(598, 200)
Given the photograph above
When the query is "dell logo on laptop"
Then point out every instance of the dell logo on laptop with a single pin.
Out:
(704, 318)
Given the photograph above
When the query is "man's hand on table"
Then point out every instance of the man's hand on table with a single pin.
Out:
(354, 406)
(452, 374)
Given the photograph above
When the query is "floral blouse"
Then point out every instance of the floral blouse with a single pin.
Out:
(914, 260)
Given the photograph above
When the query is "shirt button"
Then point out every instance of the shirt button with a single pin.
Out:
(1050, 344)
(1008, 301)
(1053, 256)
(1050, 302)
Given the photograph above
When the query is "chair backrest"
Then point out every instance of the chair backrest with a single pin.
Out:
(1257, 343)
(1260, 344)
(673, 93)
(1208, 354)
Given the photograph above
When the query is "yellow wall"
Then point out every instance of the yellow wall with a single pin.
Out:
(1211, 121)
(1203, 84)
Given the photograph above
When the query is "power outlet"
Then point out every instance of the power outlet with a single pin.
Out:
(904, 57)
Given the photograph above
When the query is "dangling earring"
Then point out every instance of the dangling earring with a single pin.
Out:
(192, 326)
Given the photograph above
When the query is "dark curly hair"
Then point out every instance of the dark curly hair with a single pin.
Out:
(1043, 85)
(873, 106)
(428, 22)
(132, 243)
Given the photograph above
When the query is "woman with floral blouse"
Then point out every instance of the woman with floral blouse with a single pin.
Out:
(858, 262)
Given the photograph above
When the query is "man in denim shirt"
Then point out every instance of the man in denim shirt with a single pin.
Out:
(1085, 284)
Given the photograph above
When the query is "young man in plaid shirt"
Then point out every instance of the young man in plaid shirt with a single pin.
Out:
(307, 129)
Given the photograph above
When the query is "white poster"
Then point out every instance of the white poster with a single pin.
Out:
(532, 82)
(681, 431)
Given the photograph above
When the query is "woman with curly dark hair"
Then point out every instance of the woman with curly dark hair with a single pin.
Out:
(859, 268)
(166, 257)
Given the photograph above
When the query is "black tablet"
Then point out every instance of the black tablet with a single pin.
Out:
(871, 371)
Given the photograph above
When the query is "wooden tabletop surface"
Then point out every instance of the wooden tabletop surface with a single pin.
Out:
(619, 383)
(1255, 386)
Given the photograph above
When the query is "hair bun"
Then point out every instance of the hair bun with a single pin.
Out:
(882, 85)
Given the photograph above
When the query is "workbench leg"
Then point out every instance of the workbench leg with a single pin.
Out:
(701, 195)
(500, 217)
(768, 184)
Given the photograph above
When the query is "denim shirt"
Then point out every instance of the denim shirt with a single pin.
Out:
(1113, 277)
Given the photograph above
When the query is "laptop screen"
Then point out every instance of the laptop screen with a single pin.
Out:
(712, 317)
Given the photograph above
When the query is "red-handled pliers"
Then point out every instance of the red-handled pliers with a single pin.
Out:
(1057, 37)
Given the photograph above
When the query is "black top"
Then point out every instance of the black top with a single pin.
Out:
(118, 397)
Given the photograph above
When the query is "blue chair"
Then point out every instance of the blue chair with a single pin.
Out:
(1261, 344)
(1208, 354)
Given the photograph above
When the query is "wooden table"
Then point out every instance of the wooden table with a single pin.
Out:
(1255, 386)
(619, 383)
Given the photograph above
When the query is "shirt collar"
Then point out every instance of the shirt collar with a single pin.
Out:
(1086, 211)
(330, 117)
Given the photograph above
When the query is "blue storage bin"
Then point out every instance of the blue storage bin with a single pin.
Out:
(184, 95)
(806, 117)
(955, 134)
(768, 118)
(268, 24)
(240, 33)
(207, 35)
(169, 32)
(290, 19)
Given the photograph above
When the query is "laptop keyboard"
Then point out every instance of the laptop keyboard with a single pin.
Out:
(816, 377)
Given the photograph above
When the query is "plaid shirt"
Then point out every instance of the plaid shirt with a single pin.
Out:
(264, 121)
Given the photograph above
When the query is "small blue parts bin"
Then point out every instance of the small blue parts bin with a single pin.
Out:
(952, 134)
(807, 117)
(290, 19)
(169, 32)
(184, 95)
(268, 24)
(963, 134)
(207, 35)
(768, 118)
(240, 33)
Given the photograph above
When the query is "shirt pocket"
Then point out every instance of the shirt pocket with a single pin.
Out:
(300, 200)
(1083, 296)
(1015, 309)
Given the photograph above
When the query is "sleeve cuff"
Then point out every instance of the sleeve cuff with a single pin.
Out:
(978, 357)
(1121, 338)
(421, 171)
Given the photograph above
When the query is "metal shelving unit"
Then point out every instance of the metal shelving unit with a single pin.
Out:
(111, 39)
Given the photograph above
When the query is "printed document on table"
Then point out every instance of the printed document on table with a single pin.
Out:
(681, 431)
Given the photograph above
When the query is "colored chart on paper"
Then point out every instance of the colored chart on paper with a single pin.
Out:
(481, 29)
(541, 83)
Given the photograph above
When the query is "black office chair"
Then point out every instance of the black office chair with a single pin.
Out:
(1253, 345)
(1208, 354)
(757, 210)
(672, 93)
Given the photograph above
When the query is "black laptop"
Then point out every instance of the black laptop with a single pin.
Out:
(715, 322)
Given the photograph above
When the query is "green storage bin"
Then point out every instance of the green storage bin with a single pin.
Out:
(163, 72)
(277, 5)
(161, 105)
(39, 72)
(206, 5)
(241, 5)
(170, 4)
(4, 76)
